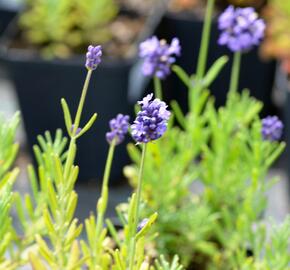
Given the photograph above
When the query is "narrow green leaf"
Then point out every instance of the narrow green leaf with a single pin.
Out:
(181, 73)
(178, 113)
(67, 116)
(87, 126)
(214, 71)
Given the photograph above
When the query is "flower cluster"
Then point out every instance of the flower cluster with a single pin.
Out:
(272, 128)
(93, 57)
(119, 127)
(151, 121)
(241, 28)
(158, 56)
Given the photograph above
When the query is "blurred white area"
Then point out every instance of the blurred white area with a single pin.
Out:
(11, 4)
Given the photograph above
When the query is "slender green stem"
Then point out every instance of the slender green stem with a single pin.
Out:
(82, 101)
(194, 91)
(70, 157)
(157, 87)
(137, 208)
(103, 201)
(108, 166)
(203, 52)
(235, 72)
(71, 149)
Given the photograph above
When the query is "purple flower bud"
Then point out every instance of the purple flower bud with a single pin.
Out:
(241, 28)
(93, 57)
(142, 224)
(272, 128)
(119, 127)
(158, 56)
(151, 121)
(77, 131)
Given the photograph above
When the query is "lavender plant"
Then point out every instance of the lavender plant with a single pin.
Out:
(48, 237)
(228, 151)
(96, 233)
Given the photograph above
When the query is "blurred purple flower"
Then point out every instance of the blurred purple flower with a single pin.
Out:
(151, 121)
(142, 224)
(158, 56)
(93, 57)
(241, 28)
(272, 128)
(77, 131)
(119, 127)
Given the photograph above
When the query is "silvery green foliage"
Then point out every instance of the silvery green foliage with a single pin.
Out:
(47, 235)
(8, 151)
(8, 147)
(224, 151)
(163, 264)
(270, 249)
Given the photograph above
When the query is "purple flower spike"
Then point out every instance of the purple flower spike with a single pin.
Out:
(142, 224)
(272, 128)
(151, 121)
(119, 127)
(158, 56)
(93, 57)
(241, 28)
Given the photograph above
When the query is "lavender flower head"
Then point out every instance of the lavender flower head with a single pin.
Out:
(272, 128)
(241, 28)
(93, 57)
(158, 56)
(151, 121)
(119, 127)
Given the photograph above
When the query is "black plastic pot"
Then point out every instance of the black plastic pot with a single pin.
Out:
(256, 75)
(287, 131)
(40, 84)
(6, 16)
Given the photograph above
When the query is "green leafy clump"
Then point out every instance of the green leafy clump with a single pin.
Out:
(8, 152)
(277, 41)
(46, 235)
(222, 151)
(219, 153)
(270, 248)
(62, 27)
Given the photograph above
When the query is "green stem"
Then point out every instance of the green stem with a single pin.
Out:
(194, 91)
(235, 72)
(157, 87)
(71, 151)
(70, 157)
(103, 201)
(82, 101)
(137, 208)
(202, 59)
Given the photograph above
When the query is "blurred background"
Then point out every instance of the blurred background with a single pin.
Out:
(42, 47)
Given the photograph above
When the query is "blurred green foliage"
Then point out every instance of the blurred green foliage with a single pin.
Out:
(277, 40)
(62, 27)
(8, 152)
(222, 152)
